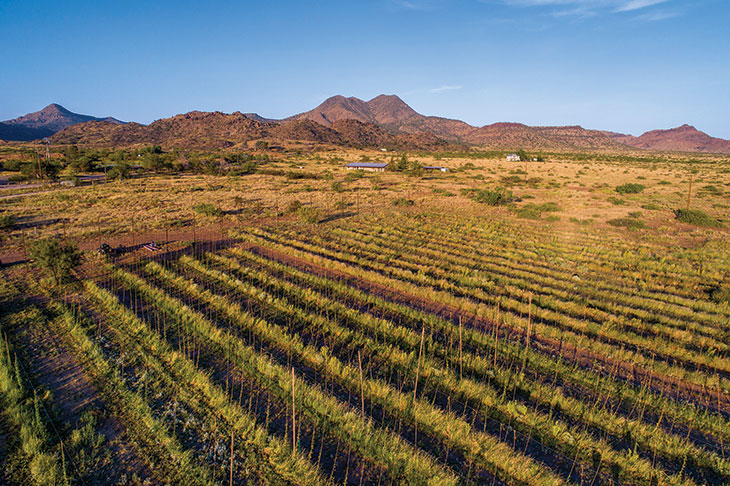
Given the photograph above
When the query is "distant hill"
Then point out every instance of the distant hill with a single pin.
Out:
(681, 139)
(22, 133)
(209, 130)
(384, 121)
(389, 111)
(44, 123)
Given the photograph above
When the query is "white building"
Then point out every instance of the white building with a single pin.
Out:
(513, 158)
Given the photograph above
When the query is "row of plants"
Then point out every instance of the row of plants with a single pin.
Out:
(557, 274)
(159, 448)
(599, 254)
(22, 411)
(563, 297)
(269, 456)
(590, 335)
(585, 385)
(443, 365)
(382, 447)
(454, 432)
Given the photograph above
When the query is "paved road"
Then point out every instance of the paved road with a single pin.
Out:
(6, 186)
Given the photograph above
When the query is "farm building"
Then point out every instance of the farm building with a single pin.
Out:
(513, 158)
(435, 167)
(371, 166)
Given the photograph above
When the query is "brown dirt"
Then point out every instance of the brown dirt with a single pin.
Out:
(659, 382)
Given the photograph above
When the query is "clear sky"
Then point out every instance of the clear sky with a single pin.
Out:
(623, 65)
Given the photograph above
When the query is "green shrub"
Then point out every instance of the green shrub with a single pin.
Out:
(57, 258)
(616, 201)
(630, 188)
(696, 217)
(354, 175)
(402, 201)
(628, 223)
(651, 206)
(207, 209)
(294, 206)
(721, 295)
(534, 211)
(496, 197)
(337, 187)
(7, 221)
(243, 169)
(309, 215)
(581, 222)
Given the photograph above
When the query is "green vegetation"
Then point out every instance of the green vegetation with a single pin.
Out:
(630, 188)
(534, 211)
(628, 223)
(7, 221)
(402, 201)
(492, 197)
(57, 258)
(207, 209)
(696, 217)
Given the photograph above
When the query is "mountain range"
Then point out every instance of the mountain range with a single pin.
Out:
(384, 121)
(51, 119)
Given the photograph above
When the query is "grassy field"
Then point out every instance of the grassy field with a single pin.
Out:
(550, 323)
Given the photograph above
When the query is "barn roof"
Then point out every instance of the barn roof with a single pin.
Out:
(369, 165)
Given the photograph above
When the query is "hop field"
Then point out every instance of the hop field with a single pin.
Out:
(397, 350)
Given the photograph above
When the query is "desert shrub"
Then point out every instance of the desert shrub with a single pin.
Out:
(496, 197)
(18, 178)
(616, 201)
(721, 295)
(243, 169)
(581, 222)
(443, 192)
(664, 183)
(296, 175)
(630, 188)
(354, 175)
(402, 201)
(651, 206)
(7, 221)
(552, 218)
(294, 206)
(337, 187)
(56, 258)
(534, 211)
(341, 205)
(710, 189)
(119, 172)
(309, 215)
(696, 217)
(207, 209)
(628, 223)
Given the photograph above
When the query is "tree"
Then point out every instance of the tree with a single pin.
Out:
(120, 171)
(57, 258)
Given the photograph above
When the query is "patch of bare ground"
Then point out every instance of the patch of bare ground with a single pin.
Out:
(55, 369)
(667, 385)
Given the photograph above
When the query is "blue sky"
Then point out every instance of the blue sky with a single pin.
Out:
(623, 65)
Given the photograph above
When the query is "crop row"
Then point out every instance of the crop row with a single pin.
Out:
(443, 373)
(559, 326)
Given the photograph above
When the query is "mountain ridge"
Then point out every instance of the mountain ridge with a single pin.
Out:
(45, 122)
(384, 119)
